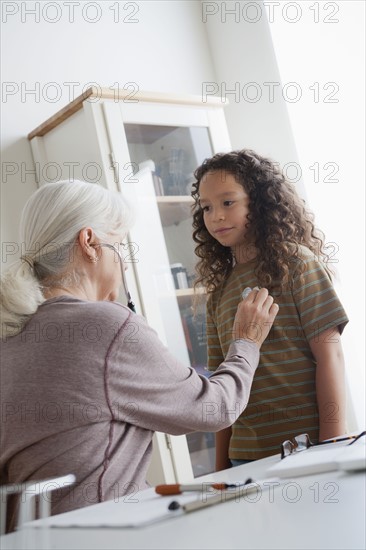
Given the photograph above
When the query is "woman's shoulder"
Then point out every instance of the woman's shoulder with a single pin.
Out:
(71, 307)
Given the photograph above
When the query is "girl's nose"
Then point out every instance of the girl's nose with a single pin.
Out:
(218, 214)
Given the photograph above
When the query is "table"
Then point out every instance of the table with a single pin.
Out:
(321, 511)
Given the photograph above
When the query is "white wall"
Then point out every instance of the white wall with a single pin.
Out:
(167, 49)
(327, 48)
(245, 65)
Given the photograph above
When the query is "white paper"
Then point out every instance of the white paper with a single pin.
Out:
(136, 510)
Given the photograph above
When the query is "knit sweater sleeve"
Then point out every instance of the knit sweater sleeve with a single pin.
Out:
(214, 351)
(149, 388)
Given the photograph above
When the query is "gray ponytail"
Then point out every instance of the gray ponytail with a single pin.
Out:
(20, 297)
(50, 223)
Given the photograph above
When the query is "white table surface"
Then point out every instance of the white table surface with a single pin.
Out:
(322, 511)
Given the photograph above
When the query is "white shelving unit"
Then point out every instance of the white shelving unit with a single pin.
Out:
(147, 148)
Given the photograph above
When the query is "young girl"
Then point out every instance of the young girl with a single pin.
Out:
(253, 230)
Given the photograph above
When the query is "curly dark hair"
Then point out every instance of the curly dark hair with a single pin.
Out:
(278, 219)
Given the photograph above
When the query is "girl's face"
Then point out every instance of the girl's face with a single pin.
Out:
(225, 206)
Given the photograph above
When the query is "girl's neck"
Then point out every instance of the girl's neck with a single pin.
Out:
(244, 253)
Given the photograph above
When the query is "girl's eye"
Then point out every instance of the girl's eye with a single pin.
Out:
(205, 208)
(228, 203)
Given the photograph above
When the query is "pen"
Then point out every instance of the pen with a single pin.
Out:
(252, 487)
(177, 489)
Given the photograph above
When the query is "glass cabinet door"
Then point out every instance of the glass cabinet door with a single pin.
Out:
(162, 149)
(172, 154)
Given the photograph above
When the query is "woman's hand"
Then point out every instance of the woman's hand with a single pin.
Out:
(254, 317)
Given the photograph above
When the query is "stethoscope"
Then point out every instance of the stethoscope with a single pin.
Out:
(130, 303)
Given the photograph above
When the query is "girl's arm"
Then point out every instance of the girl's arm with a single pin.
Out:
(330, 383)
(222, 449)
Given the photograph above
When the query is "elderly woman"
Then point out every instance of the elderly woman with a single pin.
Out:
(84, 381)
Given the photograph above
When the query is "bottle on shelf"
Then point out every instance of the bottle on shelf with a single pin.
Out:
(180, 275)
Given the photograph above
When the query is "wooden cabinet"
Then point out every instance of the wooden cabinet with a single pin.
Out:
(147, 146)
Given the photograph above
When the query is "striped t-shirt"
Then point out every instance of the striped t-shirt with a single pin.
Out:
(282, 401)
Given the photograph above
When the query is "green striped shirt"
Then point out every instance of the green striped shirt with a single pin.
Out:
(283, 401)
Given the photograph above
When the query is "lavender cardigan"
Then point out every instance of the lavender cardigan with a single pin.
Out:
(85, 385)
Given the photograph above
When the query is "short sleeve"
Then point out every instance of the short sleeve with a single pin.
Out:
(317, 303)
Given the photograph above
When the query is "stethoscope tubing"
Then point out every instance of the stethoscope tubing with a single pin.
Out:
(130, 303)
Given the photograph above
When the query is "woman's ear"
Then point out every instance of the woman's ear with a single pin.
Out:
(87, 242)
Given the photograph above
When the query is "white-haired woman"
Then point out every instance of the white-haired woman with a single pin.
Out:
(85, 382)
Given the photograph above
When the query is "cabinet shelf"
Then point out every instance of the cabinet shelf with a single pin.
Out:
(174, 208)
(185, 295)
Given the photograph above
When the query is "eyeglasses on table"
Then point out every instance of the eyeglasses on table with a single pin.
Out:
(302, 442)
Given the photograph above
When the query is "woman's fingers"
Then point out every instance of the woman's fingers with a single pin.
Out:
(268, 302)
(250, 293)
(261, 297)
(273, 311)
(255, 315)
